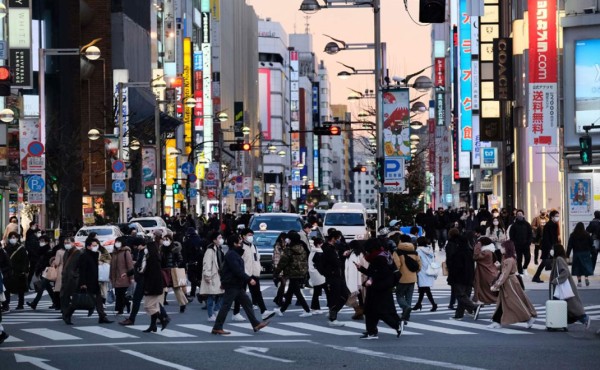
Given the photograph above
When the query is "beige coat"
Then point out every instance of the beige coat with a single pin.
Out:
(58, 263)
(485, 274)
(559, 274)
(10, 228)
(513, 301)
(406, 276)
(251, 259)
(211, 280)
(121, 263)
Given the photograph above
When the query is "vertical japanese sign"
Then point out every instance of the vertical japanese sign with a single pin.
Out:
(19, 43)
(238, 120)
(465, 77)
(543, 97)
(207, 102)
(148, 166)
(122, 76)
(295, 123)
(170, 161)
(440, 72)
(199, 108)
(187, 93)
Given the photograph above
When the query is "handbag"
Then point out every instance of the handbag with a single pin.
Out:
(178, 277)
(563, 290)
(167, 278)
(110, 296)
(433, 269)
(444, 268)
(104, 272)
(50, 273)
(83, 301)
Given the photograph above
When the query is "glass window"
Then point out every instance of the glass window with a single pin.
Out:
(344, 219)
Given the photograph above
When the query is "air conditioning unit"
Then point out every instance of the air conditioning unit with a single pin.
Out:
(573, 7)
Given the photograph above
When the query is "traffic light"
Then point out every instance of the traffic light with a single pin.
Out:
(380, 170)
(176, 188)
(327, 131)
(4, 81)
(585, 149)
(149, 192)
(359, 169)
(432, 11)
(240, 146)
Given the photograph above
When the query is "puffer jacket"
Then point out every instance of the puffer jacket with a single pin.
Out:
(171, 256)
(293, 262)
(121, 263)
(403, 251)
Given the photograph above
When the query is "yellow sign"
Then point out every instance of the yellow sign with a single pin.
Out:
(187, 93)
(171, 161)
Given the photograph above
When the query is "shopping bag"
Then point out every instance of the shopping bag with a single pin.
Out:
(83, 301)
(104, 272)
(563, 290)
(50, 273)
(179, 277)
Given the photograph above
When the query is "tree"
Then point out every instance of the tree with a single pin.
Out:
(404, 206)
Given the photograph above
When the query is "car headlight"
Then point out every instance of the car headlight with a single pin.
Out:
(360, 237)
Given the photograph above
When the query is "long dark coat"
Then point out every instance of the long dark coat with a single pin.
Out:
(379, 298)
(19, 267)
(88, 271)
(153, 281)
(70, 272)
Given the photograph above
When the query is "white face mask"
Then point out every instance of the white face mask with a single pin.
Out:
(13, 241)
(287, 241)
(552, 253)
(250, 239)
(495, 223)
(68, 246)
(166, 243)
(43, 244)
(38, 234)
(220, 241)
(118, 245)
(556, 218)
(95, 249)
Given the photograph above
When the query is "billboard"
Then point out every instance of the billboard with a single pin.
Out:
(465, 79)
(587, 83)
(396, 123)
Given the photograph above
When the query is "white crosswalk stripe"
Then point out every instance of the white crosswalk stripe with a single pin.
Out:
(318, 328)
(208, 329)
(480, 327)
(104, 332)
(274, 331)
(169, 333)
(52, 334)
(380, 329)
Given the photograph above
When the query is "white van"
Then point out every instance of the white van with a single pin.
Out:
(349, 218)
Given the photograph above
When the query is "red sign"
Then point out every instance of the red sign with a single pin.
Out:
(20, 195)
(177, 84)
(199, 108)
(440, 72)
(542, 41)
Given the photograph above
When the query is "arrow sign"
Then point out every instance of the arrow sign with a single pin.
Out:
(35, 361)
(251, 351)
(392, 183)
(187, 168)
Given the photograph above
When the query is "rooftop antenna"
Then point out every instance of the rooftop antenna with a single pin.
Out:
(307, 24)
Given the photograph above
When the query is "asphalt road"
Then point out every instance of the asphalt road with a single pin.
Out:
(40, 340)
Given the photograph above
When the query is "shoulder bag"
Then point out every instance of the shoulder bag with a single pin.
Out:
(50, 273)
(563, 291)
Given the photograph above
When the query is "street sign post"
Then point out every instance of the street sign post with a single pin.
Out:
(118, 166)
(35, 149)
(187, 168)
(35, 183)
(394, 174)
(118, 186)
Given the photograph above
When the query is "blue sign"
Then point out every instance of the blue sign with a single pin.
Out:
(489, 158)
(187, 168)
(394, 168)
(118, 186)
(35, 183)
(193, 193)
(465, 89)
(197, 61)
(192, 178)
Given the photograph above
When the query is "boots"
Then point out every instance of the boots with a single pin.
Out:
(358, 313)
(164, 321)
(152, 328)
(417, 307)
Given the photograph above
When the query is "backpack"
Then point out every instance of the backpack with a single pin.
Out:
(317, 262)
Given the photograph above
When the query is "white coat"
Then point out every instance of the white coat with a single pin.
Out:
(211, 280)
(315, 277)
(251, 259)
(427, 257)
(354, 278)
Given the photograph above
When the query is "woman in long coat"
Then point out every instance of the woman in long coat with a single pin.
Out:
(513, 305)
(16, 283)
(58, 263)
(211, 280)
(559, 274)
(121, 262)
(424, 281)
(486, 271)
(153, 286)
(580, 242)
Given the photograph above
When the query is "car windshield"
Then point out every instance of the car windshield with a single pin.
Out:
(147, 223)
(99, 232)
(279, 223)
(344, 219)
(265, 241)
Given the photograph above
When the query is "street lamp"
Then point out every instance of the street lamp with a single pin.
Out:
(7, 115)
(335, 46)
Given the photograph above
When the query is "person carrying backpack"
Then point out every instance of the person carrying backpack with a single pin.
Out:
(408, 263)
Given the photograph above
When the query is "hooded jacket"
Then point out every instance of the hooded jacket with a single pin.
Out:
(427, 257)
(315, 277)
(403, 251)
(293, 261)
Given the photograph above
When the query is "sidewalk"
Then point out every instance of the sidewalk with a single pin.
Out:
(441, 283)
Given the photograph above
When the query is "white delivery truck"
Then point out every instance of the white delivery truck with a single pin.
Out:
(349, 218)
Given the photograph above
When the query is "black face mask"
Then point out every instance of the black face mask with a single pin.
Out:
(239, 250)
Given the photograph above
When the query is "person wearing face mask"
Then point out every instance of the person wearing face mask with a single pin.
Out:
(253, 268)
(171, 257)
(32, 245)
(64, 244)
(537, 226)
(211, 280)
(121, 262)
(550, 237)
(87, 267)
(521, 233)
(496, 232)
(331, 266)
(279, 280)
(13, 226)
(16, 280)
(45, 253)
(513, 306)
(69, 274)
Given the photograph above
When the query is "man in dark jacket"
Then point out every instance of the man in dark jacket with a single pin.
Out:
(441, 223)
(522, 235)
(32, 245)
(233, 280)
(331, 268)
(88, 280)
(70, 277)
(461, 272)
(192, 258)
(549, 238)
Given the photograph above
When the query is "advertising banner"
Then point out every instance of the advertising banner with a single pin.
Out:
(465, 79)
(238, 119)
(440, 72)
(19, 43)
(148, 166)
(122, 76)
(295, 122)
(587, 83)
(396, 123)
(187, 93)
(170, 161)
(29, 131)
(543, 94)
(264, 91)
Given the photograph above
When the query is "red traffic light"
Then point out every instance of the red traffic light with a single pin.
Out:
(334, 130)
(239, 146)
(363, 169)
(327, 131)
(246, 146)
(4, 81)
(4, 74)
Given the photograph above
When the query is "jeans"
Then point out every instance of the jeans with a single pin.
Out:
(48, 288)
(235, 294)
(463, 296)
(523, 257)
(294, 289)
(256, 295)
(404, 293)
(213, 303)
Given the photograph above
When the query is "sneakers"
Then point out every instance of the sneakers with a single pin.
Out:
(316, 312)
(238, 317)
(278, 311)
(477, 310)
(399, 331)
(336, 323)
(213, 318)
(306, 314)
(579, 284)
(267, 315)
(530, 322)
(587, 322)
(587, 282)
(369, 336)
(496, 325)
(456, 318)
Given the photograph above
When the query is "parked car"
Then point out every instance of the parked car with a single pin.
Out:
(150, 224)
(141, 233)
(106, 235)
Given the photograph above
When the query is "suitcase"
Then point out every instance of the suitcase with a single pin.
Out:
(556, 315)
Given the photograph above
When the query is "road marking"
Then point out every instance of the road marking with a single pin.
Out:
(391, 356)
(437, 329)
(208, 329)
(250, 351)
(320, 329)
(481, 327)
(272, 330)
(107, 333)
(356, 325)
(164, 333)
(52, 334)
(35, 361)
(12, 339)
(156, 360)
